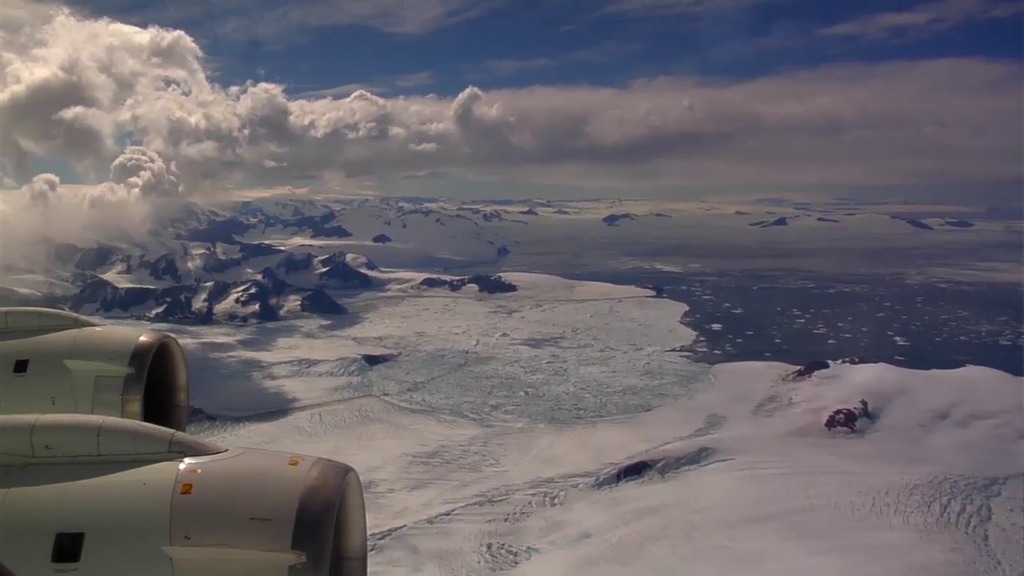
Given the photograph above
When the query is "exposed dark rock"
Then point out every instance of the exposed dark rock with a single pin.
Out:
(320, 302)
(818, 365)
(780, 221)
(336, 231)
(503, 251)
(376, 359)
(197, 415)
(107, 297)
(856, 360)
(663, 466)
(295, 262)
(491, 284)
(92, 259)
(248, 251)
(824, 219)
(273, 283)
(659, 291)
(177, 305)
(218, 230)
(214, 264)
(848, 417)
(341, 274)
(614, 219)
(165, 267)
(228, 229)
(914, 222)
(488, 284)
(262, 295)
(810, 368)
(382, 239)
(958, 223)
(433, 282)
(529, 212)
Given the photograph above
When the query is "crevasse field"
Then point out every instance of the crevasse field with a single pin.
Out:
(500, 439)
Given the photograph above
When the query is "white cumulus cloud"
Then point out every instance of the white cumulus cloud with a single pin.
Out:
(80, 88)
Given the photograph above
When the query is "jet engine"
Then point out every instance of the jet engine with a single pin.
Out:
(98, 479)
(53, 361)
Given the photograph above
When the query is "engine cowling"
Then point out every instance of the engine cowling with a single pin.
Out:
(98, 477)
(53, 361)
(106, 496)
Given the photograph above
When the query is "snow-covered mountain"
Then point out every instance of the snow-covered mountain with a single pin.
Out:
(275, 257)
(523, 423)
(552, 431)
(260, 261)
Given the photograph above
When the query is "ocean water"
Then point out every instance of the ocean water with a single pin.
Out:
(798, 317)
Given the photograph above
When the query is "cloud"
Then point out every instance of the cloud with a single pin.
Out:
(603, 52)
(415, 80)
(927, 17)
(143, 173)
(344, 90)
(382, 85)
(44, 211)
(80, 88)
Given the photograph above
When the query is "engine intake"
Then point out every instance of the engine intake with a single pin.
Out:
(53, 361)
(156, 389)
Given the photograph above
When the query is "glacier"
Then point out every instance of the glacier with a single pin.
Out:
(556, 429)
(599, 451)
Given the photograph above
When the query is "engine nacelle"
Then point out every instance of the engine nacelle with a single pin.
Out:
(94, 495)
(53, 361)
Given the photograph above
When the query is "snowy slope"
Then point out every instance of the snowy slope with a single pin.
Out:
(549, 431)
(535, 425)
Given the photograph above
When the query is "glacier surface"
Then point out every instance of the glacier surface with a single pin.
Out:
(550, 431)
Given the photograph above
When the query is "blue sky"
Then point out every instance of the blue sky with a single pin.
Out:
(496, 44)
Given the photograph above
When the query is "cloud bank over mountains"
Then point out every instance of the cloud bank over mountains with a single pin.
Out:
(82, 88)
(139, 114)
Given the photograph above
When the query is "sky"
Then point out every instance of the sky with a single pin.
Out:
(128, 99)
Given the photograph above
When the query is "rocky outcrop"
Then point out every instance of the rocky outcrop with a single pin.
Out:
(86, 259)
(614, 219)
(259, 299)
(341, 275)
(780, 221)
(659, 291)
(913, 222)
(856, 360)
(958, 223)
(657, 466)
(848, 417)
(377, 359)
(488, 284)
(165, 267)
(810, 368)
(382, 239)
(815, 366)
(292, 263)
(320, 302)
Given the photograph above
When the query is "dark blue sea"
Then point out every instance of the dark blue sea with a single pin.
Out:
(799, 317)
